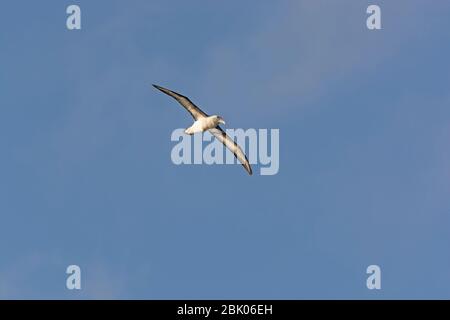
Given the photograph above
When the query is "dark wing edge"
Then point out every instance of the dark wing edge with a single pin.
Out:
(195, 111)
(233, 146)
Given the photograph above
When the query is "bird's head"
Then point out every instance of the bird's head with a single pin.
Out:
(219, 119)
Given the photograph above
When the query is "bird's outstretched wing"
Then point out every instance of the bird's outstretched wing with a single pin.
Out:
(195, 111)
(233, 146)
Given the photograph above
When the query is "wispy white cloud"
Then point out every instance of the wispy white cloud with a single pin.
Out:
(300, 51)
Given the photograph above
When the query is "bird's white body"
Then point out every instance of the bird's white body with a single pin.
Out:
(204, 124)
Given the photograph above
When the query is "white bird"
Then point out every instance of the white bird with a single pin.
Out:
(203, 122)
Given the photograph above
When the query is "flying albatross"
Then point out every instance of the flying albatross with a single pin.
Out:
(203, 122)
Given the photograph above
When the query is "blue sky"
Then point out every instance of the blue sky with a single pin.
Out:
(86, 176)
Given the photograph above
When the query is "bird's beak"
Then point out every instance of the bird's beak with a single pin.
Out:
(221, 121)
